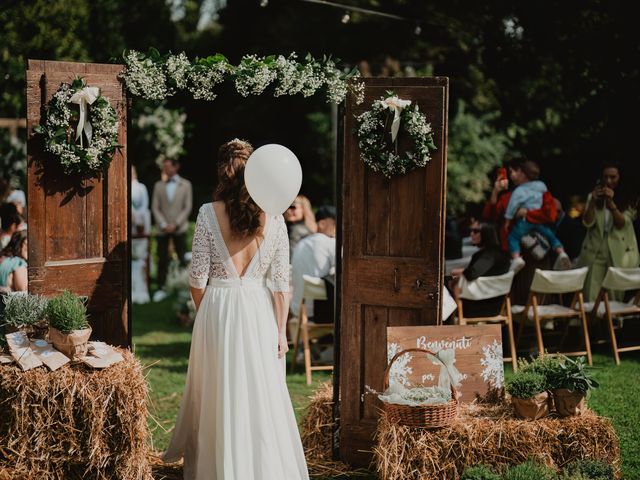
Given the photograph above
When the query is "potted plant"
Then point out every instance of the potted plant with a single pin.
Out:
(25, 313)
(528, 395)
(570, 383)
(69, 329)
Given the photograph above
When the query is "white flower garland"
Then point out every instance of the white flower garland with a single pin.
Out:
(76, 157)
(380, 154)
(155, 77)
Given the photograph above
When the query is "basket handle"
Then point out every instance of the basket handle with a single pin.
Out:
(387, 370)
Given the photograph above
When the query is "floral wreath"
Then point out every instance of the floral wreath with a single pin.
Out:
(89, 148)
(373, 129)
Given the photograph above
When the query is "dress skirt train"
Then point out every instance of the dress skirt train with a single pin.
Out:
(236, 420)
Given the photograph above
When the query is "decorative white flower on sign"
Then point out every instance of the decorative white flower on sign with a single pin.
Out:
(400, 370)
(493, 364)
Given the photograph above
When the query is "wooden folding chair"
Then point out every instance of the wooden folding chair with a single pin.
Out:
(546, 282)
(484, 288)
(621, 279)
(314, 289)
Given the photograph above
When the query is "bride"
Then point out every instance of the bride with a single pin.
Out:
(236, 420)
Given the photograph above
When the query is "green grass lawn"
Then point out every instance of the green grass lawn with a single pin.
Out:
(163, 345)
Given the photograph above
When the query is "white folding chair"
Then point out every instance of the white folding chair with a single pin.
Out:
(621, 279)
(547, 282)
(484, 288)
(314, 289)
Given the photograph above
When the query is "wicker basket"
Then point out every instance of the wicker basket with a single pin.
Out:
(422, 416)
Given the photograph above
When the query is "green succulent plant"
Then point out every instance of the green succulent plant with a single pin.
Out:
(574, 375)
(67, 312)
(22, 310)
(526, 384)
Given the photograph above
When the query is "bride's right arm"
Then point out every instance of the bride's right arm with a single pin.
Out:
(200, 259)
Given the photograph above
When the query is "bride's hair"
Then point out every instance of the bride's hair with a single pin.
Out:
(244, 213)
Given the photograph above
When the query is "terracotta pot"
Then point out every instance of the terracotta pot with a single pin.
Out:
(532, 408)
(568, 403)
(73, 344)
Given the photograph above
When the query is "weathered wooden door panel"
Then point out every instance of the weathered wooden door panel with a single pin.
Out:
(78, 229)
(392, 257)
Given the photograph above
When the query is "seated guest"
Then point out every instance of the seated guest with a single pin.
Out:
(489, 260)
(10, 222)
(300, 221)
(315, 255)
(8, 194)
(13, 263)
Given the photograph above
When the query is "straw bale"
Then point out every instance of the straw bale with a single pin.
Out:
(74, 422)
(491, 435)
(316, 431)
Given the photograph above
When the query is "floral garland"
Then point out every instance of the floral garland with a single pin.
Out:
(373, 130)
(155, 77)
(88, 149)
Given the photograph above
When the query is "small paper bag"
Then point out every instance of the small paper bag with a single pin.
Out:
(21, 352)
(101, 355)
(48, 355)
(4, 358)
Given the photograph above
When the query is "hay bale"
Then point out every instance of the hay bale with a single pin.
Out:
(75, 422)
(490, 434)
(316, 432)
(317, 423)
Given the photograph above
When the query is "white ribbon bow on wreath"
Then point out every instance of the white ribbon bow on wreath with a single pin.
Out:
(396, 104)
(84, 98)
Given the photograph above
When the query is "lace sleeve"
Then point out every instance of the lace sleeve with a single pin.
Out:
(279, 270)
(200, 253)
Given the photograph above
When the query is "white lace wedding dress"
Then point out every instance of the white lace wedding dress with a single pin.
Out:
(236, 420)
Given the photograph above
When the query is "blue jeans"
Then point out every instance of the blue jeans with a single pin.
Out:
(522, 227)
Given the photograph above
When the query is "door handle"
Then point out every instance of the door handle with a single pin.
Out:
(418, 284)
(396, 286)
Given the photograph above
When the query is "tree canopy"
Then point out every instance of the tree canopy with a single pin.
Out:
(554, 80)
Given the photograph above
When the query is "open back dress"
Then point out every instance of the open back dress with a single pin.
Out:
(236, 420)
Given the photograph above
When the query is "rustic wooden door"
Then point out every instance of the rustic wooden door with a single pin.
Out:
(391, 272)
(78, 229)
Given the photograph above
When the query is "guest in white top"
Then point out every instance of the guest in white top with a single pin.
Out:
(140, 226)
(314, 255)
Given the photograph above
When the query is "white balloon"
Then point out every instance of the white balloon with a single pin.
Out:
(273, 177)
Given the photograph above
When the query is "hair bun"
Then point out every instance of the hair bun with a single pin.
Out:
(233, 149)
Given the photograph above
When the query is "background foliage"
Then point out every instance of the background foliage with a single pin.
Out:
(555, 80)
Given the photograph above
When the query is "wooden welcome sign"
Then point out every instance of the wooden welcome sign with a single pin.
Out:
(478, 350)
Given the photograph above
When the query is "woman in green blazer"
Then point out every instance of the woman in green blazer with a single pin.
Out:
(610, 239)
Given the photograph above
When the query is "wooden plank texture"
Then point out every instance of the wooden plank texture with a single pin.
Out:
(473, 345)
(78, 228)
(392, 257)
